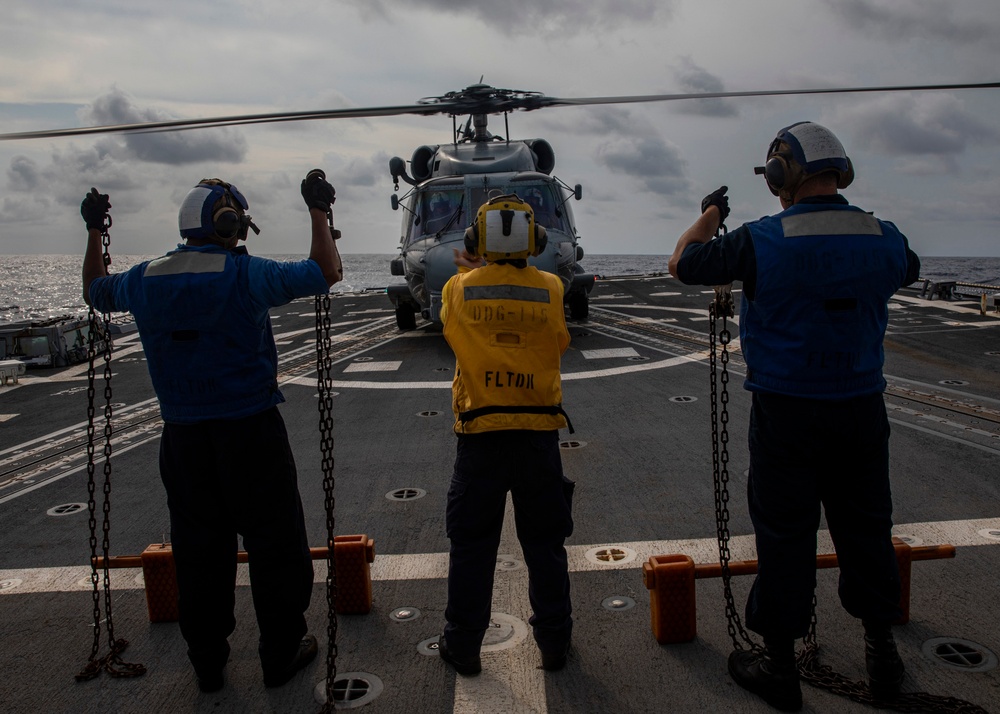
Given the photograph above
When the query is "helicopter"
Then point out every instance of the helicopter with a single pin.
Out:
(449, 184)
(450, 181)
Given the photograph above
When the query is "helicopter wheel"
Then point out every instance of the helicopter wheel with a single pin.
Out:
(579, 306)
(406, 318)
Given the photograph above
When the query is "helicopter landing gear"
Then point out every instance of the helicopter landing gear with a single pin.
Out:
(579, 306)
(406, 316)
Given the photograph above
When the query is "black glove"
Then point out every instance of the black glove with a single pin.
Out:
(720, 200)
(94, 209)
(317, 191)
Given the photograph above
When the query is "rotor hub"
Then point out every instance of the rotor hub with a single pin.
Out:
(484, 99)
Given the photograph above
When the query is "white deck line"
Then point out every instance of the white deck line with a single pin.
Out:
(434, 566)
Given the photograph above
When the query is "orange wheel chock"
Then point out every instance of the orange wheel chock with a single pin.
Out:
(670, 581)
(352, 554)
(160, 578)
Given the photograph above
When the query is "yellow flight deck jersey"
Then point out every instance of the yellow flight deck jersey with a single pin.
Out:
(507, 329)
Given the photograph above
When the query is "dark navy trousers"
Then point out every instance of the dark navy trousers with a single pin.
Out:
(805, 453)
(229, 477)
(487, 466)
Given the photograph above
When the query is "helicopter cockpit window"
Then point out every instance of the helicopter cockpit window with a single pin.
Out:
(539, 196)
(540, 200)
(441, 209)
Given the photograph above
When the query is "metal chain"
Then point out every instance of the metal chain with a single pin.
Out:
(810, 670)
(722, 307)
(824, 677)
(93, 667)
(112, 662)
(324, 383)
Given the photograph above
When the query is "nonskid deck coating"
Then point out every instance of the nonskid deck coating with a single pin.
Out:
(636, 388)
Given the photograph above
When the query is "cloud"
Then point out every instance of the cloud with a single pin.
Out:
(913, 20)
(640, 152)
(24, 209)
(655, 162)
(35, 190)
(908, 126)
(531, 17)
(23, 174)
(366, 172)
(176, 148)
(694, 78)
(602, 121)
(974, 203)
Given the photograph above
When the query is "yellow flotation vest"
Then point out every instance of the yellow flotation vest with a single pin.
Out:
(507, 329)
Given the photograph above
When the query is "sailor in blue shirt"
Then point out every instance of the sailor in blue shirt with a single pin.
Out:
(816, 281)
(225, 460)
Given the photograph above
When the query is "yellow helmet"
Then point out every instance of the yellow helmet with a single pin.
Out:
(505, 229)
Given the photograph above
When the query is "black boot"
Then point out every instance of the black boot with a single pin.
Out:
(770, 674)
(466, 666)
(885, 668)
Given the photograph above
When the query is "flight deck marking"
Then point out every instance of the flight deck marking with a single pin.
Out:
(434, 566)
(609, 353)
(948, 437)
(941, 388)
(59, 476)
(921, 302)
(390, 366)
(661, 308)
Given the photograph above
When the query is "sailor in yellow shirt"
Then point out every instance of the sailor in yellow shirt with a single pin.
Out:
(506, 325)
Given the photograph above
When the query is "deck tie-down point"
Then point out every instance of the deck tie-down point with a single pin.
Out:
(352, 554)
(670, 581)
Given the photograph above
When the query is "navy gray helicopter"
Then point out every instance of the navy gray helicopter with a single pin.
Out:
(450, 181)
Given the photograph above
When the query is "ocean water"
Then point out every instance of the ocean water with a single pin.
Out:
(44, 286)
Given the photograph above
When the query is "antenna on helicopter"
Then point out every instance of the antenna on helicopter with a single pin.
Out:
(466, 134)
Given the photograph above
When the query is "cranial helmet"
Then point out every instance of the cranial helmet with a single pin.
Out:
(801, 151)
(505, 229)
(535, 198)
(216, 211)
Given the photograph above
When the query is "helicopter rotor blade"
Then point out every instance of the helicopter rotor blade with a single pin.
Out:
(238, 120)
(555, 101)
(478, 99)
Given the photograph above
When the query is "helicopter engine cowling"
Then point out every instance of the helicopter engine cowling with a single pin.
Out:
(544, 154)
(421, 163)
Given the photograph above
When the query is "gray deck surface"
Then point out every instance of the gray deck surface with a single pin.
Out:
(644, 486)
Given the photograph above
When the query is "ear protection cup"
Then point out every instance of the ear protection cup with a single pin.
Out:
(780, 173)
(471, 241)
(541, 240)
(227, 223)
(845, 179)
(774, 172)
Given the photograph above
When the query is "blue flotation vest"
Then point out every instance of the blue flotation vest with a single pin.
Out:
(211, 355)
(815, 325)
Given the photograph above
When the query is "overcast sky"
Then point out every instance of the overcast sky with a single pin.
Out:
(929, 162)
